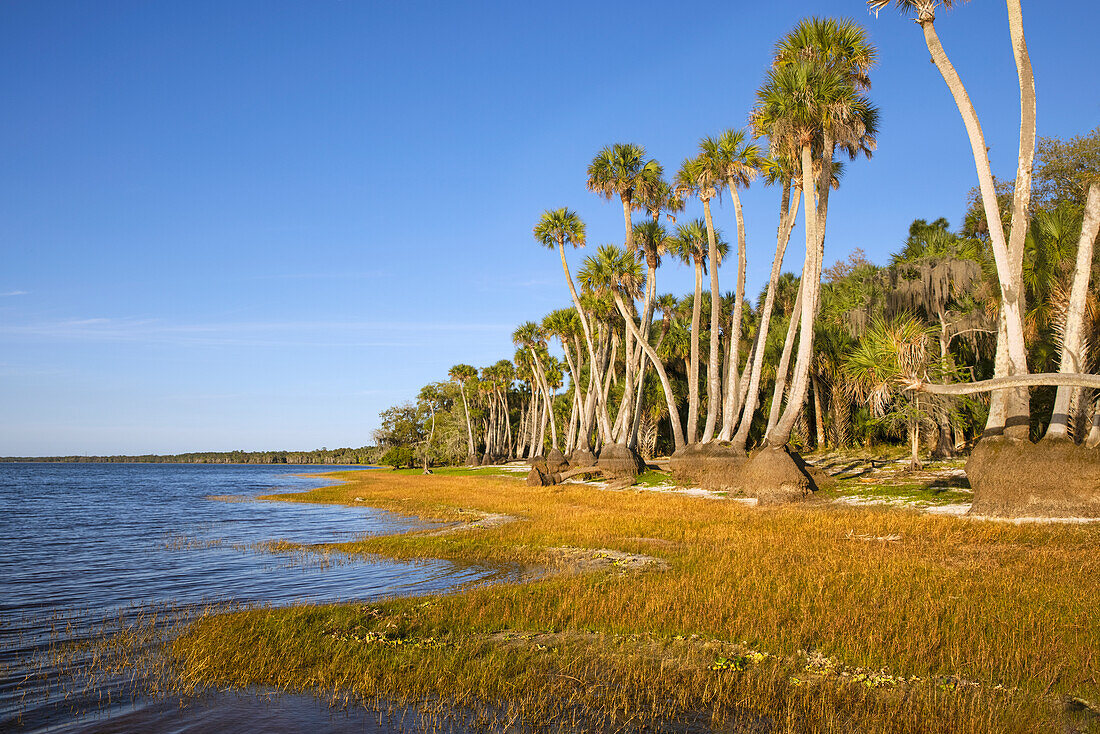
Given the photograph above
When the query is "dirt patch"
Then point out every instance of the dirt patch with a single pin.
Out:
(1018, 479)
(481, 520)
(598, 559)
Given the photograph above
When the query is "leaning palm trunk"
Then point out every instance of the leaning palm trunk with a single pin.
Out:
(731, 400)
(693, 375)
(714, 378)
(783, 369)
(811, 289)
(658, 365)
(1016, 410)
(1073, 344)
(469, 426)
(546, 394)
(787, 214)
(641, 362)
(580, 313)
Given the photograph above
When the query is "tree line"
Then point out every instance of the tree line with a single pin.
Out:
(827, 357)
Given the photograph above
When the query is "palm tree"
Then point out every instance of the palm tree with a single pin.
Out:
(1074, 343)
(701, 177)
(1008, 412)
(891, 355)
(619, 170)
(784, 171)
(652, 241)
(812, 104)
(692, 245)
(734, 160)
(617, 273)
(461, 374)
(531, 336)
(558, 227)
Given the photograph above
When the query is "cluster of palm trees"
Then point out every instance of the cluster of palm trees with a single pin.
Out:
(812, 106)
(747, 380)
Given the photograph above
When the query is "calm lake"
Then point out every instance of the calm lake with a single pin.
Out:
(84, 542)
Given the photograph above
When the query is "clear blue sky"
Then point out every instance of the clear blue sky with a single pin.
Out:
(257, 224)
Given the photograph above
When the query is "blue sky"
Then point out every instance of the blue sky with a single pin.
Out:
(257, 224)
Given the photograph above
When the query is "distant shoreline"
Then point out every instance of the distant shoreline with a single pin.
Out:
(366, 455)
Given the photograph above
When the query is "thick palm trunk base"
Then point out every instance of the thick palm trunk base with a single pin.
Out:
(1018, 478)
(473, 460)
(555, 462)
(715, 465)
(582, 457)
(778, 476)
(618, 461)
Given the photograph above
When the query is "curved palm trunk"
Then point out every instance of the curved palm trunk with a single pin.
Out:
(784, 367)
(580, 316)
(1009, 276)
(731, 401)
(507, 421)
(1073, 344)
(788, 213)
(693, 373)
(714, 377)
(811, 288)
(677, 432)
(546, 394)
(647, 322)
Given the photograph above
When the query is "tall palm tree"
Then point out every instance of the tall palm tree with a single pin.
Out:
(807, 105)
(605, 275)
(461, 374)
(701, 177)
(617, 273)
(652, 241)
(691, 245)
(735, 159)
(556, 228)
(531, 336)
(1008, 412)
(1074, 343)
(786, 172)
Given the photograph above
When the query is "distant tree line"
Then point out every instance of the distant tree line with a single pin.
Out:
(362, 455)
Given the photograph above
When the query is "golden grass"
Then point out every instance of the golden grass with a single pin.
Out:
(808, 618)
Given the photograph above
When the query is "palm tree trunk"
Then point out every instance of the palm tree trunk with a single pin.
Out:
(466, 412)
(731, 404)
(788, 213)
(783, 369)
(546, 393)
(714, 377)
(819, 419)
(1007, 273)
(677, 432)
(811, 288)
(1073, 343)
(647, 322)
(585, 327)
(507, 420)
(693, 377)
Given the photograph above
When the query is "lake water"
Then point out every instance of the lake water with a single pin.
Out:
(80, 542)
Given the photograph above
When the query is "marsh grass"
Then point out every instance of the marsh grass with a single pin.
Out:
(810, 618)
